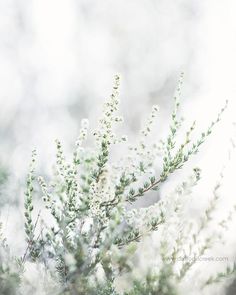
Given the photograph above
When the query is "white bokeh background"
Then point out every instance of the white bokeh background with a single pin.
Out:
(58, 58)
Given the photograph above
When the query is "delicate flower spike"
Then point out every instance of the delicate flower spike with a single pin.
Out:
(83, 132)
(150, 121)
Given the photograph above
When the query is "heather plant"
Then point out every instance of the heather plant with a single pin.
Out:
(86, 235)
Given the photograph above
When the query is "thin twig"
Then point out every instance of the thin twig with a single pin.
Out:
(30, 241)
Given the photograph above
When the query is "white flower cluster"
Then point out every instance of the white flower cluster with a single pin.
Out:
(105, 130)
(83, 133)
(102, 192)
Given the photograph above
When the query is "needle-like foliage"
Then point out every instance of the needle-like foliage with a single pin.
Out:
(92, 236)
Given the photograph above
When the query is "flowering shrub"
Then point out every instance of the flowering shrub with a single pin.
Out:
(86, 236)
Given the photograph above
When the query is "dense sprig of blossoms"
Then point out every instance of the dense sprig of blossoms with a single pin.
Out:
(79, 142)
(95, 226)
(105, 133)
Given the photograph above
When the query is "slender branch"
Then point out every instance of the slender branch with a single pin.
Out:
(29, 244)
(145, 190)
